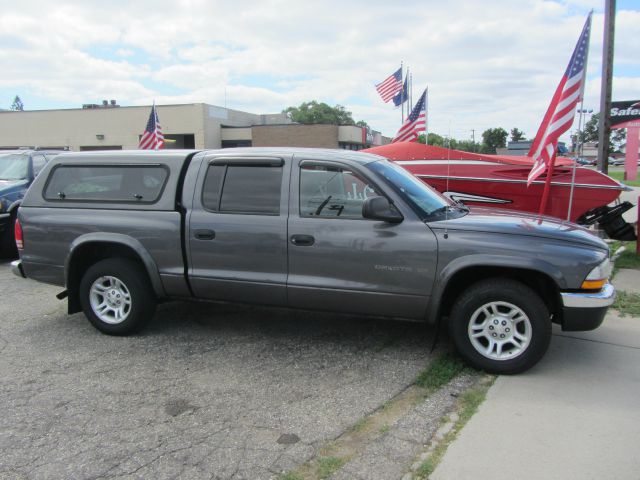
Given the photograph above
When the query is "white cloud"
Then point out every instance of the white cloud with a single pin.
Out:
(487, 64)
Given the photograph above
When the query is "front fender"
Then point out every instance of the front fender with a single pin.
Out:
(122, 240)
(483, 260)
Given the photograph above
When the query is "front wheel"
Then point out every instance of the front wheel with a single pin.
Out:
(116, 297)
(500, 326)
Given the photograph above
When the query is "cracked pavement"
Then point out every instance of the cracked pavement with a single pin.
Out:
(205, 391)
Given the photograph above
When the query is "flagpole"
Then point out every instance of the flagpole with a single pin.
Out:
(411, 91)
(575, 163)
(426, 117)
(401, 103)
(547, 187)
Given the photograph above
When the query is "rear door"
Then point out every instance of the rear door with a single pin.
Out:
(237, 232)
(339, 260)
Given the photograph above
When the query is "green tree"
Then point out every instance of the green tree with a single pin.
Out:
(17, 104)
(440, 141)
(468, 146)
(433, 139)
(319, 112)
(589, 133)
(493, 138)
(516, 134)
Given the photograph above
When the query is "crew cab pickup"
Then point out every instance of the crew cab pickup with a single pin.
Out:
(311, 229)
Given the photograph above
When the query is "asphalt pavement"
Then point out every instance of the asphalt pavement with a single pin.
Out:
(576, 415)
(206, 391)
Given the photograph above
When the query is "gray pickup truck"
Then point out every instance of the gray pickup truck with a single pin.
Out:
(311, 229)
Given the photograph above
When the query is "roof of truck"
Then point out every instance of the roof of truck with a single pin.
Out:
(180, 155)
(318, 153)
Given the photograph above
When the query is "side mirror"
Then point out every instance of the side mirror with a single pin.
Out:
(379, 208)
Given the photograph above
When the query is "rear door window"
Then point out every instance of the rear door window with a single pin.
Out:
(114, 183)
(246, 189)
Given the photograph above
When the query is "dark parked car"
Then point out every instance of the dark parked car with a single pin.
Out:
(18, 168)
(585, 161)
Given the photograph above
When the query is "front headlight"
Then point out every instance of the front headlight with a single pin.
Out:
(598, 277)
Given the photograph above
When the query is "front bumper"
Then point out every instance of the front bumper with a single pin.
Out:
(583, 311)
(16, 268)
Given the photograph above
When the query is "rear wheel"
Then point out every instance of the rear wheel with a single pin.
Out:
(116, 297)
(500, 326)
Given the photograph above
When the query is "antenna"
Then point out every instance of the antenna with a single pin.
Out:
(446, 212)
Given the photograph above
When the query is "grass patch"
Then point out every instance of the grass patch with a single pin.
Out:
(327, 466)
(384, 429)
(290, 476)
(426, 468)
(629, 258)
(627, 303)
(467, 405)
(620, 177)
(440, 372)
(470, 401)
(359, 425)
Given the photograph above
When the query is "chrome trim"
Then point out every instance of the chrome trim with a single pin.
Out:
(447, 162)
(4, 215)
(467, 197)
(16, 268)
(603, 298)
(499, 180)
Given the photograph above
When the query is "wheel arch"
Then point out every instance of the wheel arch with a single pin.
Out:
(541, 276)
(91, 248)
(13, 207)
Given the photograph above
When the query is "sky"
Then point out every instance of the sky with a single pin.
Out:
(491, 63)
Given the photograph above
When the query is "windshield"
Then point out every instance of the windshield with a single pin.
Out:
(13, 166)
(417, 193)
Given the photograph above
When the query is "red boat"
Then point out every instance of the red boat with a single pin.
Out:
(501, 181)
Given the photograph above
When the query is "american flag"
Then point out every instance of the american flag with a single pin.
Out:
(415, 123)
(390, 86)
(152, 138)
(561, 111)
(401, 96)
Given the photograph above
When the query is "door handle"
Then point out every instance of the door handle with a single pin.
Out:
(302, 240)
(205, 234)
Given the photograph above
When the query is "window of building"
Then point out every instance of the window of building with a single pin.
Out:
(246, 189)
(330, 192)
(235, 143)
(94, 148)
(121, 183)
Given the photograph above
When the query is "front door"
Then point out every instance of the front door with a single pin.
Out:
(237, 232)
(340, 261)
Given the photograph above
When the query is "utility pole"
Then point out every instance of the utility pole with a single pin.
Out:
(605, 89)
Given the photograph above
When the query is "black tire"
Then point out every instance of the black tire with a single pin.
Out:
(133, 284)
(519, 313)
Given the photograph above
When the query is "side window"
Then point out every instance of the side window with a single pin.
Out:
(138, 184)
(330, 192)
(247, 189)
(39, 161)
